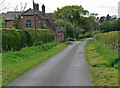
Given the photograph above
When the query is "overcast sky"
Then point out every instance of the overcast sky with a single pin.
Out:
(102, 7)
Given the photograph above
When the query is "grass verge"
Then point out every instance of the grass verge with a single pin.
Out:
(0, 70)
(99, 60)
(16, 63)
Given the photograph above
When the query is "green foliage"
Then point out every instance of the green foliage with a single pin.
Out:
(73, 13)
(0, 70)
(85, 35)
(100, 61)
(2, 22)
(14, 64)
(14, 39)
(108, 54)
(88, 34)
(111, 25)
(105, 26)
(109, 39)
(10, 39)
(73, 19)
(70, 39)
(68, 28)
(96, 32)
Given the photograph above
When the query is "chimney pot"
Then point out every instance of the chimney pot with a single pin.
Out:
(36, 6)
(43, 9)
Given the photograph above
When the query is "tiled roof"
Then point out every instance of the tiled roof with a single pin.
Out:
(11, 15)
(28, 12)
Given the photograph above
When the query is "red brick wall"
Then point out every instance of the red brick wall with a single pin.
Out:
(25, 18)
(9, 24)
(60, 36)
(39, 24)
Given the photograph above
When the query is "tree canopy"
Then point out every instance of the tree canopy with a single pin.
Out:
(75, 19)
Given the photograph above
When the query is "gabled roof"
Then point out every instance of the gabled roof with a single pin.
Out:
(11, 15)
(28, 12)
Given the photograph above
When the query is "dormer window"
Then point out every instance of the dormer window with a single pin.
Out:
(28, 24)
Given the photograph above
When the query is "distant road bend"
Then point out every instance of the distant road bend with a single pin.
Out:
(67, 68)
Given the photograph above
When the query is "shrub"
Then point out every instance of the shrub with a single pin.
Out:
(111, 25)
(96, 32)
(10, 39)
(85, 35)
(109, 39)
(88, 34)
(13, 39)
(70, 39)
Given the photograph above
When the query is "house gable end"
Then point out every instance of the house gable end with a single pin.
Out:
(29, 12)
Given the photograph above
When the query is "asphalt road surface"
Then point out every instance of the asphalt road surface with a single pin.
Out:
(67, 68)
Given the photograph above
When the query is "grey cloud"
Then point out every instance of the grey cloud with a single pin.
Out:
(105, 6)
(108, 9)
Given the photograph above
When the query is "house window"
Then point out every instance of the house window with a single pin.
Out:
(28, 24)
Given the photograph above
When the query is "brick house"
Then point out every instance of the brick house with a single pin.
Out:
(41, 19)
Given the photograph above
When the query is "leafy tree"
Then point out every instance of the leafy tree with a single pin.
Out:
(112, 25)
(70, 13)
(68, 28)
(76, 17)
(105, 26)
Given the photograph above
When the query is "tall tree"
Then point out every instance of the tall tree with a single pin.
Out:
(78, 17)
(70, 13)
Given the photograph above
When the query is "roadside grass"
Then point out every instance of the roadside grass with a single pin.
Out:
(100, 60)
(0, 21)
(16, 63)
(0, 70)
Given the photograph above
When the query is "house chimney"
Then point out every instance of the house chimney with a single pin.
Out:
(36, 6)
(43, 10)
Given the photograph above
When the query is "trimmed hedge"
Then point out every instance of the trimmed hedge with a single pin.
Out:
(109, 39)
(14, 39)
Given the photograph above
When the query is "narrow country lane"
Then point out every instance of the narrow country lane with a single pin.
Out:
(67, 68)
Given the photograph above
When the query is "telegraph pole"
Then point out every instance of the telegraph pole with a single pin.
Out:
(35, 32)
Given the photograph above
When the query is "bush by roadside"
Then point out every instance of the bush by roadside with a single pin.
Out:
(113, 25)
(109, 40)
(14, 39)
